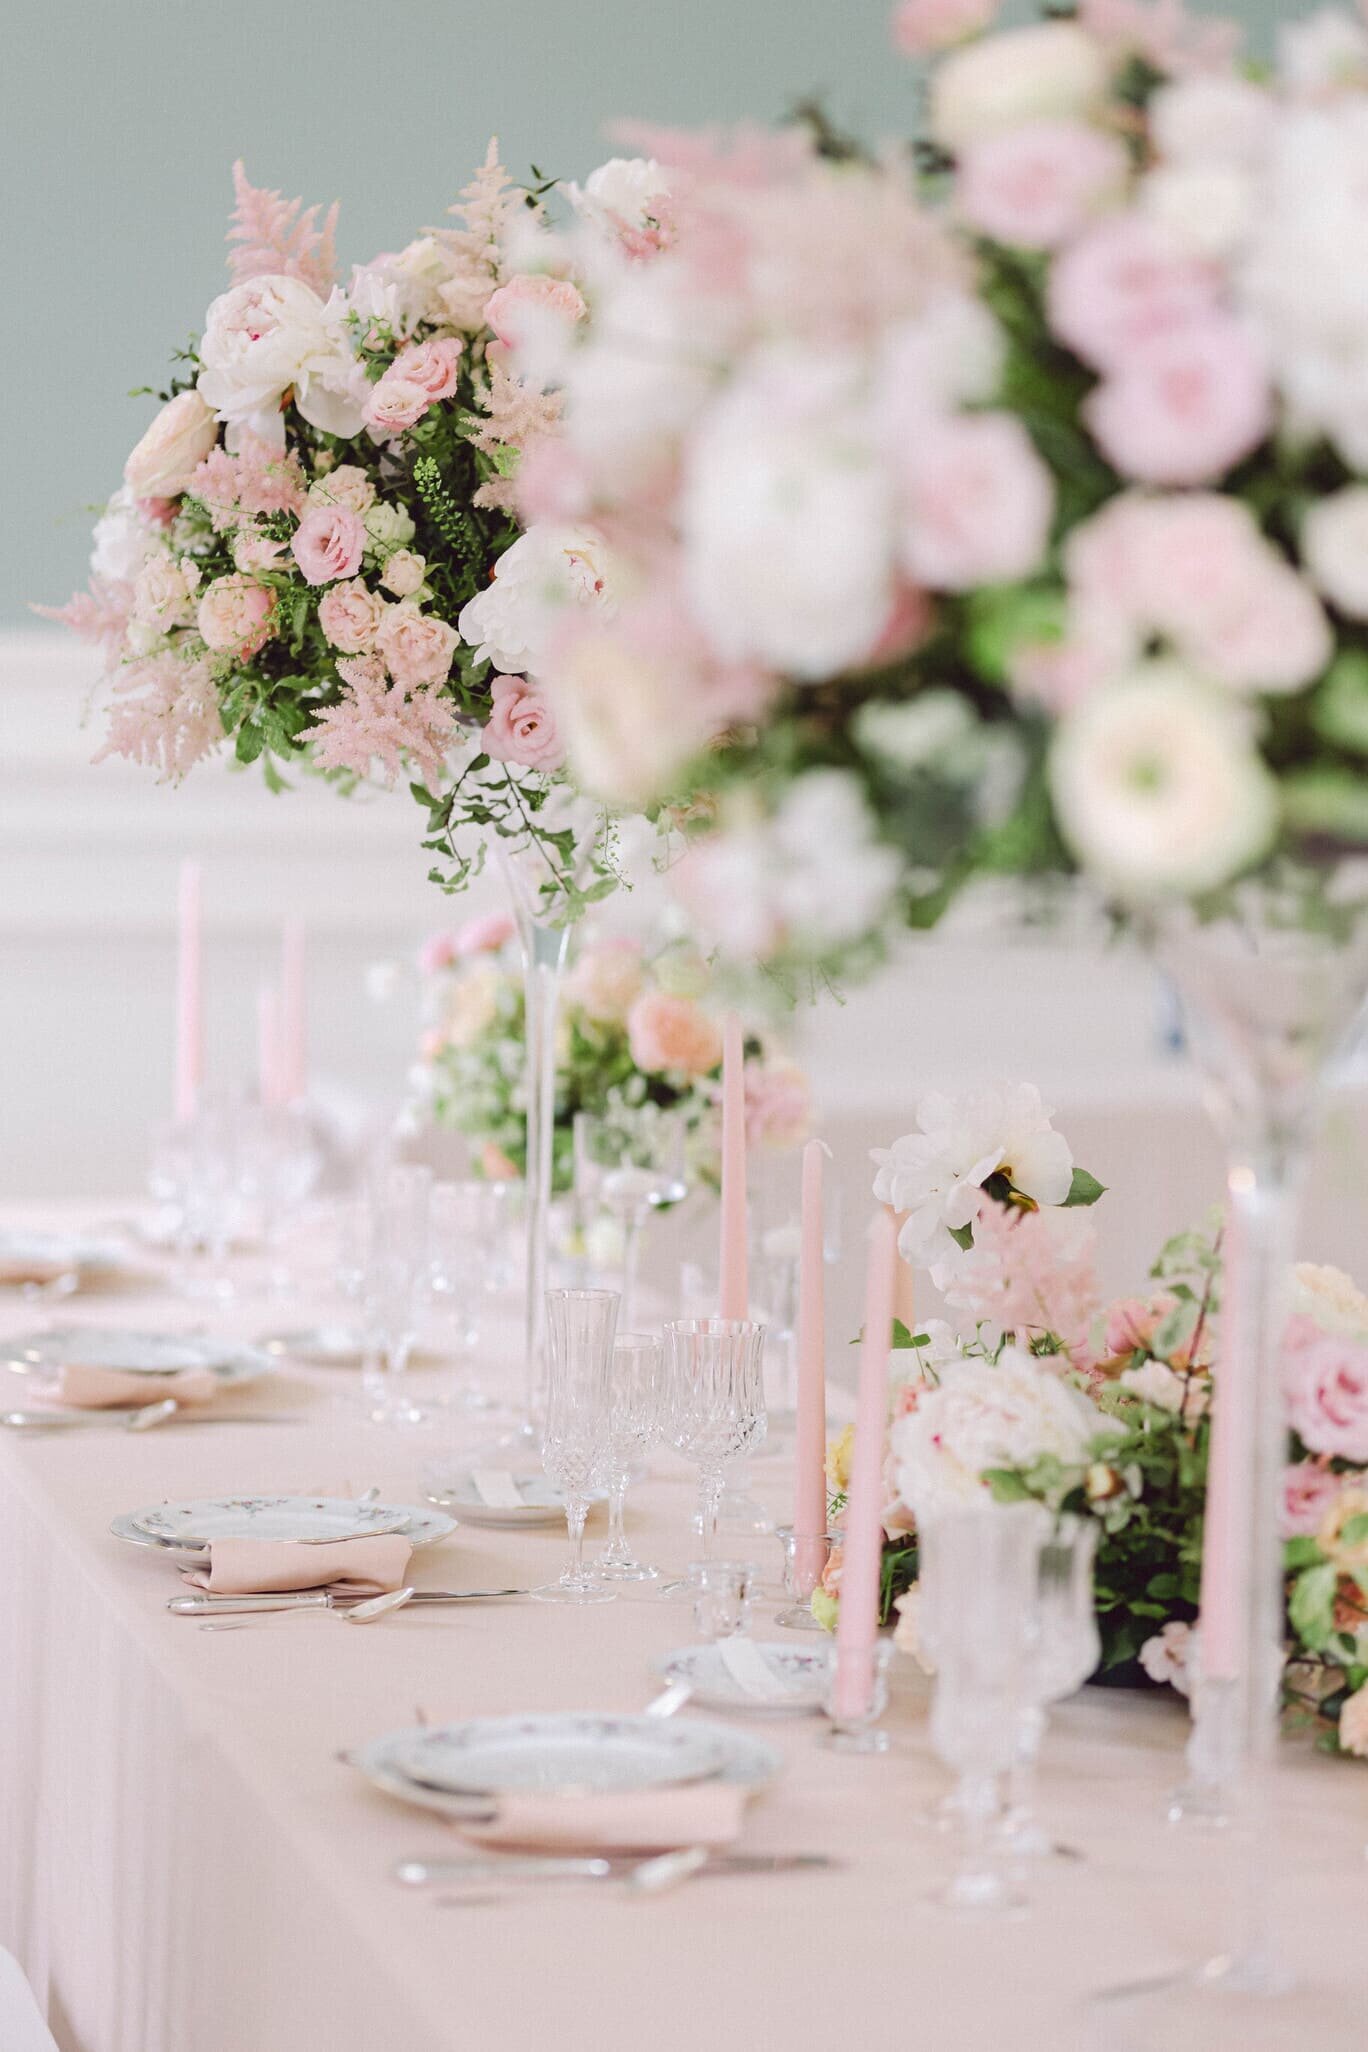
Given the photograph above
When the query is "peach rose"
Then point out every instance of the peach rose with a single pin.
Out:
(347, 486)
(672, 1034)
(350, 616)
(253, 550)
(394, 405)
(606, 980)
(521, 727)
(162, 464)
(236, 616)
(403, 573)
(417, 647)
(434, 367)
(329, 543)
(507, 309)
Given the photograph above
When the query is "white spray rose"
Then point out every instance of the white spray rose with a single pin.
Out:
(1031, 74)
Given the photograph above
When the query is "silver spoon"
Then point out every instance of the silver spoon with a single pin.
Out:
(378, 1606)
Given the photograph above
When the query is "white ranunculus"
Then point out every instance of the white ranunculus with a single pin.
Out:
(273, 335)
(936, 1174)
(510, 623)
(988, 1415)
(786, 513)
(1042, 73)
(1334, 544)
(1208, 118)
(1158, 787)
(123, 540)
(1208, 209)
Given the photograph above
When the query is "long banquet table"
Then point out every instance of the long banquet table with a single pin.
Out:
(186, 1865)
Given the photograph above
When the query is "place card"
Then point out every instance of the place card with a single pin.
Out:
(497, 1489)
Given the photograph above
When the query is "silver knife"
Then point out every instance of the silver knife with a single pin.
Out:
(66, 1421)
(205, 1604)
(514, 1867)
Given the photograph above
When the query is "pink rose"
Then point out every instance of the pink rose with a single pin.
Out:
(236, 616)
(1038, 185)
(417, 647)
(350, 616)
(1307, 1493)
(1184, 408)
(163, 463)
(1131, 1322)
(1124, 282)
(672, 1035)
(1325, 1376)
(495, 1165)
(921, 26)
(606, 980)
(434, 366)
(485, 934)
(513, 311)
(394, 406)
(438, 952)
(778, 1104)
(978, 500)
(328, 543)
(521, 727)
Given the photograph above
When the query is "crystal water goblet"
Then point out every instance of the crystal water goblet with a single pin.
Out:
(715, 1402)
(637, 1407)
(577, 1433)
(394, 1288)
(210, 1155)
(630, 1162)
(1062, 1650)
(977, 1575)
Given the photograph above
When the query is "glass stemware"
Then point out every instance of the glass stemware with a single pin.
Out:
(1062, 1650)
(629, 1162)
(977, 1577)
(394, 1288)
(715, 1402)
(468, 1225)
(637, 1405)
(206, 1153)
(577, 1434)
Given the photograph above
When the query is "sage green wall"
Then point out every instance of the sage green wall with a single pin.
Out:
(119, 120)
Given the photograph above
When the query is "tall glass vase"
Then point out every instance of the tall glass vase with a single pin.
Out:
(544, 949)
(1268, 992)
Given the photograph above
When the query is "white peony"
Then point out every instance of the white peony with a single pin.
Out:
(1334, 545)
(511, 622)
(786, 516)
(1158, 787)
(625, 193)
(936, 1175)
(1042, 73)
(1330, 1297)
(123, 540)
(273, 335)
(988, 1415)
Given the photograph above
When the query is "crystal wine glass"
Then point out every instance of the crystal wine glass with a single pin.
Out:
(394, 1288)
(1063, 1648)
(630, 1161)
(715, 1401)
(637, 1404)
(467, 1230)
(577, 1435)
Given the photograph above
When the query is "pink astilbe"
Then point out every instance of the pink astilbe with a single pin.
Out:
(1031, 1272)
(475, 251)
(514, 417)
(164, 714)
(278, 237)
(1163, 33)
(377, 721)
(257, 479)
(99, 616)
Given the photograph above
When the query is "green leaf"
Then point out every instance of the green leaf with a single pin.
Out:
(1301, 1553)
(250, 742)
(1007, 1485)
(1084, 1189)
(963, 1236)
(1339, 709)
(903, 1338)
(1355, 1530)
(1312, 1604)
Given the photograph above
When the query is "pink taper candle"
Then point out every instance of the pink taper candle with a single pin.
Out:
(809, 1496)
(189, 995)
(270, 1066)
(733, 1281)
(862, 1554)
(294, 1079)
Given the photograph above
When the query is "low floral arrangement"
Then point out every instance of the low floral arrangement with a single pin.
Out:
(633, 1030)
(1106, 1410)
(299, 560)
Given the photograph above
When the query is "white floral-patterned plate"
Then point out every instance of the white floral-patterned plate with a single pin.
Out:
(311, 1520)
(328, 1346)
(41, 1259)
(41, 1354)
(459, 1492)
(799, 1677)
(422, 1527)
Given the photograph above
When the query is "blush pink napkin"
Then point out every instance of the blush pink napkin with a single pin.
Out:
(259, 1567)
(646, 1820)
(92, 1389)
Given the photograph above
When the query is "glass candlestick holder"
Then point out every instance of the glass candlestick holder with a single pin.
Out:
(857, 1730)
(805, 1560)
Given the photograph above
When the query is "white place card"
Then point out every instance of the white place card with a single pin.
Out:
(750, 1670)
(497, 1489)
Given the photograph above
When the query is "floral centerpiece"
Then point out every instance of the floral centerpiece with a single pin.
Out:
(991, 505)
(1107, 1409)
(633, 1030)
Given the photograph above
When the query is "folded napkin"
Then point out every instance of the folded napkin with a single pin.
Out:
(93, 1389)
(260, 1567)
(17, 1271)
(644, 1820)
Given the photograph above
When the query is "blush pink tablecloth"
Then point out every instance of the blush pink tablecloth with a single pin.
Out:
(186, 1866)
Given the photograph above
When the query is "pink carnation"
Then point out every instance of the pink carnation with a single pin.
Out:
(417, 647)
(1183, 408)
(923, 26)
(1038, 185)
(485, 934)
(672, 1035)
(521, 727)
(329, 543)
(1125, 282)
(1307, 1493)
(979, 503)
(529, 294)
(1325, 1376)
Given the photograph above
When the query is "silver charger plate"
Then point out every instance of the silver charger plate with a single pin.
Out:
(131, 1352)
(805, 1669)
(540, 1751)
(419, 1526)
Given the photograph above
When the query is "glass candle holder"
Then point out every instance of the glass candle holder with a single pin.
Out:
(722, 1591)
(805, 1562)
(860, 1733)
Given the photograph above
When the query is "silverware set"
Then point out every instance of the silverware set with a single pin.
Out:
(650, 1876)
(139, 1418)
(358, 1609)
